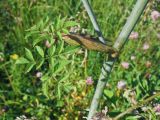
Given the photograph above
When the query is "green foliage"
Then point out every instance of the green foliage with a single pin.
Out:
(48, 81)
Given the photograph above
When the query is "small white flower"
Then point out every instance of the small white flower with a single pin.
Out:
(125, 65)
(144, 109)
(47, 44)
(39, 74)
(133, 57)
(121, 84)
(146, 46)
(133, 35)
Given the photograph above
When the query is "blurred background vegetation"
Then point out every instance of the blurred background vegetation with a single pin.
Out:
(48, 82)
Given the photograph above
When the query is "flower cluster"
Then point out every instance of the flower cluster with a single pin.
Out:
(89, 81)
(157, 108)
(133, 35)
(155, 15)
(125, 65)
(121, 84)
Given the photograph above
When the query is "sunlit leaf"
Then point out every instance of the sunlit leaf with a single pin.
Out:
(108, 93)
(61, 66)
(29, 54)
(40, 63)
(40, 51)
(29, 67)
(51, 50)
(70, 23)
(22, 60)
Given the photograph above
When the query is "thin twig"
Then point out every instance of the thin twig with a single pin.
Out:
(136, 106)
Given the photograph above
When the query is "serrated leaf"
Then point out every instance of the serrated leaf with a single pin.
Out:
(40, 51)
(22, 60)
(108, 93)
(29, 54)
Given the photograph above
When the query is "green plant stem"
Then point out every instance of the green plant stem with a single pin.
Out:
(9, 78)
(136, 106)
(109, 62)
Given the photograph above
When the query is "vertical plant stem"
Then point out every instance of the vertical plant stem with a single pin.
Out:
(93, 20)
(109, 62)
(9, 78)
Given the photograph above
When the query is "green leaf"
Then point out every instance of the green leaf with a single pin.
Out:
(67, 87)
(40, 63)
(133, 117)
(22, 60)
(108, 93)
(61, 47)
(29, 67)
(51, 50)
(28, 110)
(45, 89)
(59, 35)
(31, 33)
(58, 23)
(40, 51)
(52, 63)
(71, 49)
(45, 77)
(29, 54)
(64, 78)
(61, 66)
(70, 23)
(36, 41)
(65, 31)
(59, 91)
(60, 103)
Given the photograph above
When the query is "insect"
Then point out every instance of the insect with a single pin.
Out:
(87, 42)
